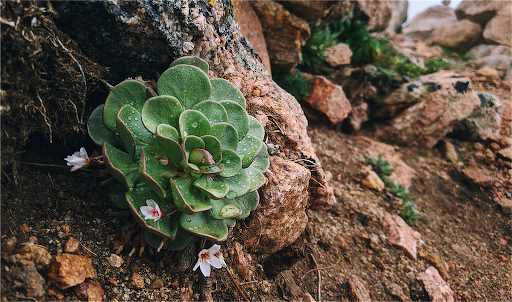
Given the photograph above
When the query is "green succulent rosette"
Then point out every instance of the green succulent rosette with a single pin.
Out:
(192, 149)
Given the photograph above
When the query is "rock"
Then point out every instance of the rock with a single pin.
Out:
(479, 11)
(137, 281)
(250, 27)
(285, 34)
(357, 290)
(384, 15)
(502, 63)
(286, 281)
(448, 101)
(505, 204)
(25, 276)
(485, 121)
(358, 116)
(25, 228)
(396, 292)
(484, 50)
(68, 270)
(35, 253)
(414, 49)
(402, 174)
(459, 35)
(91, 290)
(506, 153)
(437, 289)
(55, 294)
(308, 10)
(157, 283)
(488, 73)
(328, 98)
(71, 246)
(498, 29)
(186, 294)
(242, 262)
(115, 260)
(281, 216)
(307, 298)
(479, 176)
(436, 261)
(372, 181)
(424, 23)
(401, 234)
(9, 246)
(450, 152)
(339, 54)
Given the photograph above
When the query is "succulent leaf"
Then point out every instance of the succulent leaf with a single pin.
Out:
(255, 128)
(166, 226)
(231, 163)
(247, 149)
(215, 187)
(131, 130)
(204, 225)
(168, 131)
(213, 110)
(225, 209)
(155, 173)
(193, 122)
(129, 92)
(255, 177)
(224, 90)
(226, 134)
(192, 142)
(189, 84)
(162, 109)
(212, 144)
(192, 60)
(261, 161)
(238, 185)
(121, 165)
(169, 147)
(247, 203)
(97, 130)
(237, 117)
(187, 198)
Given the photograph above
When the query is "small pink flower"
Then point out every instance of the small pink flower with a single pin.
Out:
(78, 160)
(151, 211)
(208, 258)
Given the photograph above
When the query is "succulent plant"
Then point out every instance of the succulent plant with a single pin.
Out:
(192, 148)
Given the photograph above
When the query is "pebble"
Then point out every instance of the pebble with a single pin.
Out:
(72, 245)
(157, 283)
(115, 260)
(137, 281)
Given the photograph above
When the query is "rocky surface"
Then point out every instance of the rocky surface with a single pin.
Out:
(401, 234)
(329, 98)
(485, 121)
(498, 29)
(339, 54)
(384, 15)
(450, 101)
(437, 289)
(460, 35)
(424, 23)
(68, 270)
(285, 34)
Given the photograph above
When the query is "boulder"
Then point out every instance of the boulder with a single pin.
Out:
(423, 24)
(459, 35)
(485, 121)
(416, 50)
(285, 34)
(449, 100)
(479, 176)
(436, 288)
(328, 98)
(484, 50)
(502, 63)
(339, 54)
(384, 15)
(498, 30)
(358, 116)
(309, 10)
(479, 11)
(250, 27)
(281, 216)
(401, 234)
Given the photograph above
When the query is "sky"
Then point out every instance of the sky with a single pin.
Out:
(417, 6)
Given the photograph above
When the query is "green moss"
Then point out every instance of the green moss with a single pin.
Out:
(384, 169)
(436, 64)
(295, 83)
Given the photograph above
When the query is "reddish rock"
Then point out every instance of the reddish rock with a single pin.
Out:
(242, 262)
(339, 54)
(35, 253)
(8, 246)
(448, 101)
(137, 281)
(250, 27)
(71, 246)
(437, 289)
(479, 176)
(68, 270)
(450, 152)
(55, 294)
(401, 234)
(424, 23)
(309, 10)
(281, 216)
(485, 121)
(459, 35)
(372, 181)
(329, 98)
(357, 290)
(506, 153)
(498, 29)
(285, 34)
(91, 290)
(115, 260)
(308, 298)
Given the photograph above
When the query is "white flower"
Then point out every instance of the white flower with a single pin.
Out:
(151, 211)
(208, 258)
(78, 160)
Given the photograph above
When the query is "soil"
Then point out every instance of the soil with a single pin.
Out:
(464, 233)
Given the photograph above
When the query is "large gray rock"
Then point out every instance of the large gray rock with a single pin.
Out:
(458, 35)
(385, 15)
(499, 29)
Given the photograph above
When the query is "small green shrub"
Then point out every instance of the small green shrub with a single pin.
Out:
(435, 64)
(384, 169)
(313, 52)
(295, 83)
(189, 161)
